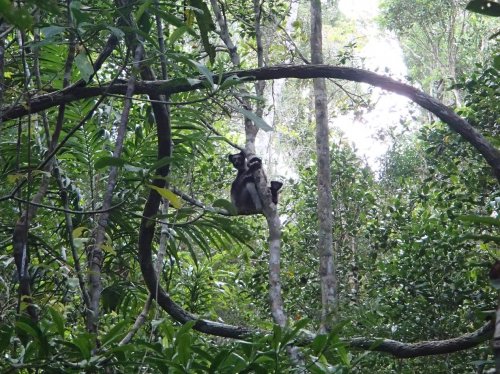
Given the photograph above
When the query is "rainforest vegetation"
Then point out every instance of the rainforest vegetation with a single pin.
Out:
(131, 241)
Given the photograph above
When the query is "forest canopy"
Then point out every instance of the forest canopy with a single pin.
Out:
(178, 194)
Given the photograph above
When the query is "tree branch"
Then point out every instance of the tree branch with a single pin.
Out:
(425, 348)
(169, 87)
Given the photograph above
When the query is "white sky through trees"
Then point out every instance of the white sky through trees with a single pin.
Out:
(382, 54)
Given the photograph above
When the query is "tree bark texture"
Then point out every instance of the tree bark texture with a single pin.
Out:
(425, 348)
(270, 212)
(327, 275)
(94, 251)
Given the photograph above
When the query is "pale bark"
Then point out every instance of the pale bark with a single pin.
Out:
(95, 253)
(270, 212)
(325, 236)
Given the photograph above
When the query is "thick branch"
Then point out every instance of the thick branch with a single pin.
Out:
(398, 349)
(456, 123)
(147, 227)
(425, 348)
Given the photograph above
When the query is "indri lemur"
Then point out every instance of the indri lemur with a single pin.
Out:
(244, 193)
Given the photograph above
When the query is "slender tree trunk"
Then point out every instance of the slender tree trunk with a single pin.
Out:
(273, 221)
(325, 237)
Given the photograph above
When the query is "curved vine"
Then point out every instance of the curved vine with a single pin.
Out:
(159, 90)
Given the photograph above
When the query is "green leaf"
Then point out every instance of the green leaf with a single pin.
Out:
(58, 320)
(276, 340)
(225, 204)
(216, 362)
(231, 81)
(259, 122)
(116, 332)
(177, 34)
(205, 24)
(116, 32)
(30, 330)
(173, 20)
(5, 335)
(266, 357)
(186, 327)
(319, 343)
(78, 15)
(19, 17)
(486, 7)
(204, 71)
(234, 363)
(84, 66)
(140, 11)
(484, 238)
(169, 195)
(183, 345)
(51, 31)
(83, 342)
(254, 367)
(109, 161)
(164, 161)
(496, 62)
(291, 334)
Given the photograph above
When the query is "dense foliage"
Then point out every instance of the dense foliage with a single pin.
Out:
(413, 241)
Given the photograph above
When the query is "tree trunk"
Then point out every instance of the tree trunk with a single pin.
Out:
(271, 214)
(325, 236)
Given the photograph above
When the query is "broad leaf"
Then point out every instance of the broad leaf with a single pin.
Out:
(206, 25)
(109, 161)
(259, 122)
(225, 204)
(84, 66)
(169, 195)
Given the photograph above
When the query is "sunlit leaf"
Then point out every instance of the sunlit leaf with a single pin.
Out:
(169, 195)
(13, 178)
(78, 232)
